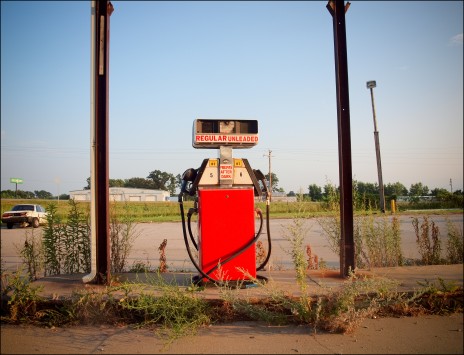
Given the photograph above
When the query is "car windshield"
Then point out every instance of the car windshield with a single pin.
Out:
(23, 208)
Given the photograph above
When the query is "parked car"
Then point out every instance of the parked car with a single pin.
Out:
(25, 214)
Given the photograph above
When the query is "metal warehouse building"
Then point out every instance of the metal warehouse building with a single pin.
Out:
(125, 194)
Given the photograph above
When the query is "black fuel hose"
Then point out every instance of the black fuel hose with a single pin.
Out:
(181, 204)
(189, 219)
(268, 231)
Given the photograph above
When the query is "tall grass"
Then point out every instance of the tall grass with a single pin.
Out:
(428, 241)
(147, 212)
(454, 246)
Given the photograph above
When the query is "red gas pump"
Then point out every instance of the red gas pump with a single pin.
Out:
(224, 191)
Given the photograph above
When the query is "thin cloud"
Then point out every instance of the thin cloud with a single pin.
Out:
(456, 40)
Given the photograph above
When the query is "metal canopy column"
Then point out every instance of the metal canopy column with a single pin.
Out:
(101, 185)
(347, 256)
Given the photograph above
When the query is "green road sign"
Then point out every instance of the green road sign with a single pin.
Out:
(16, 180)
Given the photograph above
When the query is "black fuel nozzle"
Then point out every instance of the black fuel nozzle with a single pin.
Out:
(260, 177)
(188, 176)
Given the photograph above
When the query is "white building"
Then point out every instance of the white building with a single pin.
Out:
(282, 196)
(125, 194)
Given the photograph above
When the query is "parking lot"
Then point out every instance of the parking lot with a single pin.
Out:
(151, 235)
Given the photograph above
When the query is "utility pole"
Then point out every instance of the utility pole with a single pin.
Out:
(451, 185)
(371, 85)
(270, 176)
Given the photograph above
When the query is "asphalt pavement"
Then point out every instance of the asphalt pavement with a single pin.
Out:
(279, 272)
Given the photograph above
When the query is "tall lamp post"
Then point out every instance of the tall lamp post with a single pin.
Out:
(371, 85)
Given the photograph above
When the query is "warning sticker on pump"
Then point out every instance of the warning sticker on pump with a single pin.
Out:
(225, 172)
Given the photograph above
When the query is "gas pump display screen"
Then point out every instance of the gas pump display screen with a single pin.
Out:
(217, 133)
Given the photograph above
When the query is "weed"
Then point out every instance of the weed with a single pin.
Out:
(332, 230)
(162, 259)
(377, 240)
(343, 310)
(276, 310)
(313, 260)
(260, 252)
(76, 241)
(32, 254)
(139, 266)
(177, 312)
(66, 247)
(427, 241)
(23, 298)
(53, 233)
(438, 297)
(295, 234)
(454, 246)
(122, 236)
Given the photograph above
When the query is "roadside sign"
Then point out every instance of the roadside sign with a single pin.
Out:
(16, 180)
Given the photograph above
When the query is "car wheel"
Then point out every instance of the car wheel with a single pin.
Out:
(35, 223)
(9, 225)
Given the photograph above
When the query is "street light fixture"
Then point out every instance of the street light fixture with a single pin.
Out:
(371, 85)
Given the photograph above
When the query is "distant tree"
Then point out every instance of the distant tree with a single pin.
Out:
(365, 194)
(291, 194)
(20, 194)
(44, 195)
(315, 192)
(451, 199)
(88, 184)
(418, 189)
(274, 182)
(111, 183)
(172, 185)
(366, 188)
(139, 183)
(163, 181)
(178, 182)
(441, 193)
(8, 194)
(116, 182)
(396, 189)
(330, 192)
(25, 194)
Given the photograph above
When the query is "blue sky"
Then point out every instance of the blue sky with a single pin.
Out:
(272, 61)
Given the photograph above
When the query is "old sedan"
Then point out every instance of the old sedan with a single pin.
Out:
(25, 214)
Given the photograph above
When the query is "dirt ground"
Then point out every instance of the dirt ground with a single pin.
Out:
(406, 335)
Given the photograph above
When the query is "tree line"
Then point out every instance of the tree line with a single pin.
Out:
(156, 180)
(161, 180)
(365, 193)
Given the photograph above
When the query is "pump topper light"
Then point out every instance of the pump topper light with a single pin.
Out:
(208, 134)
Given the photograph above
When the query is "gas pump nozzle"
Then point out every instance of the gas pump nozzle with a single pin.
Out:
(260, 177)
(189, 175)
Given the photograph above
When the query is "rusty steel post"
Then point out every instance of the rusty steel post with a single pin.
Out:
(337, 9)
(103, 11)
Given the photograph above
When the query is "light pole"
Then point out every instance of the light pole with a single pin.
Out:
(371, 85)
